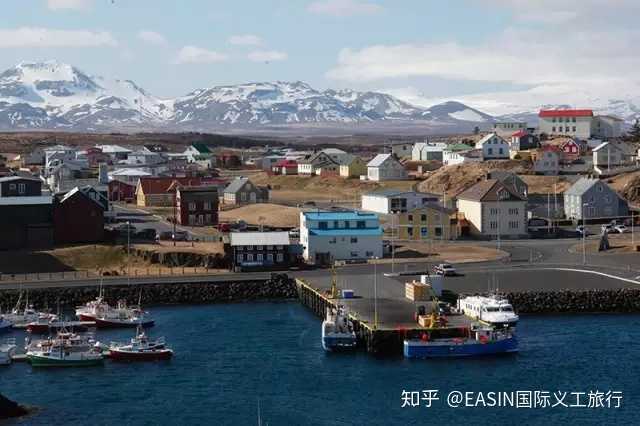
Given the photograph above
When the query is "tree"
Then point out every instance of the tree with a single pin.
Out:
(634, 133)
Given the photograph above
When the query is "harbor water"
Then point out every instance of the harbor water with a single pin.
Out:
(236, 362)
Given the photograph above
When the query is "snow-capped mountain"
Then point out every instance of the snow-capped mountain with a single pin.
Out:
(54, 95)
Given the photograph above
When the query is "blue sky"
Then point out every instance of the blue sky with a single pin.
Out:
(488, 52)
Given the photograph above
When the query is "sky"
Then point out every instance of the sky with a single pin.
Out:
(496, 55)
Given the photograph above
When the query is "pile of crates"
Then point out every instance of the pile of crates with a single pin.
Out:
(417, 291)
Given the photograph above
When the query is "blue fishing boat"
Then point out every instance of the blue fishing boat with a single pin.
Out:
(479, 342)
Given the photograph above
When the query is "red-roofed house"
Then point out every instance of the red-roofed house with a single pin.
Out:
(523, 140)
(156, 191)
(567, 122)
(285, 167)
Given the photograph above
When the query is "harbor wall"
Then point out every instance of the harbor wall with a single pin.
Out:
(279, 286)
(625, 300)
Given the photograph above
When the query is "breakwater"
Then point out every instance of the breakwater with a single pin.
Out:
(576, 301)
(279, 286)
(10, 409)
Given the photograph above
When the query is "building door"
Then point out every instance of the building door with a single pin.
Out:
(252, 197)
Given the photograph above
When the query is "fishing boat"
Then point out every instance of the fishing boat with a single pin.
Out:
(140, 348)
(73, 342)
(5, 324)
(492, 309)
(45, 326)
(123, 316)
(61, 355)
(476, 341)
(20, 316)
(338, 333)
(7, 350)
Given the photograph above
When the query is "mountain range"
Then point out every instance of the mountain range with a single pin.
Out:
(54, 95)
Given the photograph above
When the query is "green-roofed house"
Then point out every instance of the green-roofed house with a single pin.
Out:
(195, 150)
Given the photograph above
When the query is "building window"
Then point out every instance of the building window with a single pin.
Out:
(574, 128)
(200, 220)
(322, 225)
(361, 224)
(207, 205)
(192, 219)
(269, 247)
(332, 240)
(438, 231)
(22, 188)
(423, 217)
(249, 247)
(553, 129)
(207, 219)
(410, 218)
(279, 247)
(354, 240)
(270, 257)
(493, 225)
(336, 224)
(369, 254)
(192, 207)
(12, 187)
(259, 257)
(354, 254)
(553, 120)
(574, 120)
(410, 231)
(250, 257)
(423, 231)
(490, 151)
(243, 196)
(258, 247)
(347, 224)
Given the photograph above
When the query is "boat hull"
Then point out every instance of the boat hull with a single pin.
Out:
(421, 349)
(159, 355)
(108, 323)
(42, 361)
(338, 344)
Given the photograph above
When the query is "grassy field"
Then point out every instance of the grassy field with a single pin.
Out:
(266, 214)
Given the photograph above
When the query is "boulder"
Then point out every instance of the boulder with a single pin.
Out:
(9, 409)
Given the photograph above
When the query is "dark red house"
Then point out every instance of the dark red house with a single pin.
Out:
(285, 167)
(77, 218)
(121, 191)
(197, 205)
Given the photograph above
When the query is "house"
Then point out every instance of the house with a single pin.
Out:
(196, 149)
(507, 128)
(345, 235)
(154, 191)
(27, 222)
(593, 198)
(608, 155)
(329, 159)
(575, 123)
(431, 221)
(259, 251)
(427, 151)
(197, 205)
(121, 191)
(572, 150)
(18, 186)
(385, 167)
(493, 147)
(388, 201)
(285, 167)
(523, 140)
(143, 158)
(77, 218)
(606, 127)
(401, 149)
(354, 167)
(494, 208)
(242, 191)
(128, 175)
(99, 194)
(61, 152)
(460, 154)
(546, 160)
(511, 179)
(116, 152)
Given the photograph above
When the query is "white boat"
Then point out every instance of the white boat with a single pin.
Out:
(5, 324)
(338, 333)
(60, 355)
(140, 348)
(20, 316)
(71, 341)
(492, 309)
(7, 350)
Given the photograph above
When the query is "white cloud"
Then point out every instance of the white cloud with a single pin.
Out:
(152, 37)
(46, 37)
(342, 8)
(246, 40)
(267, 56)
(69, 4)
(199, 55)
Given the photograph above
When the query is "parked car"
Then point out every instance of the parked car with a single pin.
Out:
(164, 236)
(445, 269)
(621, 229)
(169, 236)
(608, 228)
(146, 234)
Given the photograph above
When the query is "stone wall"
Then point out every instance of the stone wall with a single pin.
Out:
(279, 286)
(572, 301)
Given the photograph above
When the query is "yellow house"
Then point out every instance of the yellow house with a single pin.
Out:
(354, 168)
(432, 222)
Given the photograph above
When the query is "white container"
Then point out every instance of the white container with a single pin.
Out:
(436, 282)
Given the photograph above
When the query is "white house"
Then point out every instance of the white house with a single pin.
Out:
(425, 151)
(143, 158)
(402, 149)
(606, 126)
(327, 158)
(128, 175)
(349, 235)
(385, 167)
(453, 155)
(493, 147)
(566, 122)
(393, 201)
(116, 152)
(494, 208)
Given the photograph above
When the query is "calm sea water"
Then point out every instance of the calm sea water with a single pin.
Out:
(232, 358)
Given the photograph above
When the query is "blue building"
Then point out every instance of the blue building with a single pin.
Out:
(348, 235)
